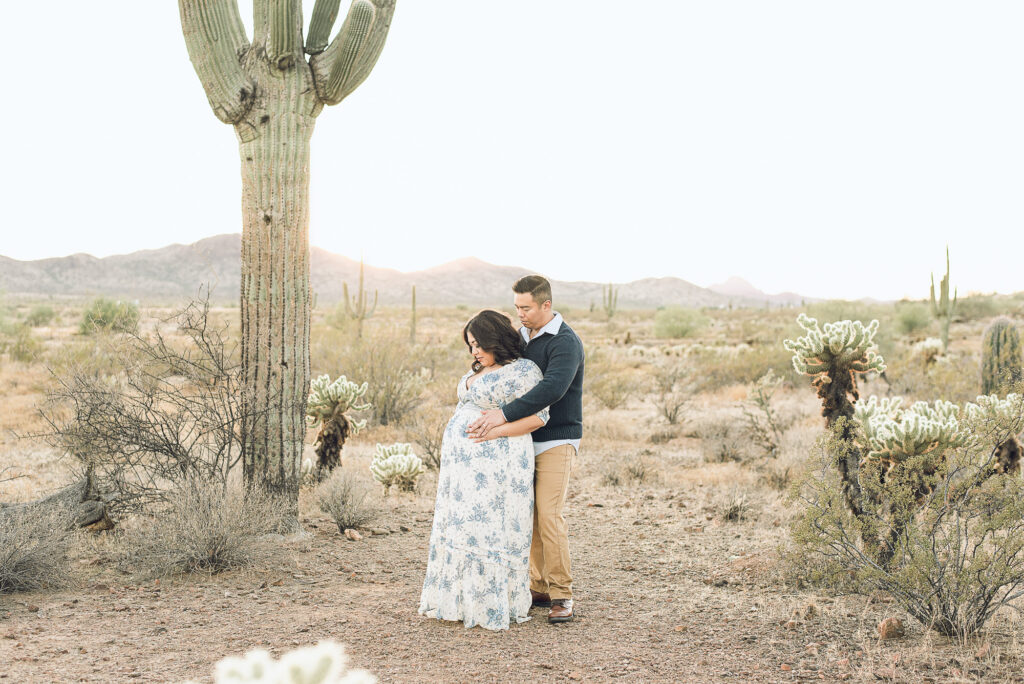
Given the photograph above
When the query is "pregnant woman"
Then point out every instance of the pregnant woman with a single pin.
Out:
(478, 563)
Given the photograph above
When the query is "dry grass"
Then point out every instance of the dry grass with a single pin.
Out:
(34, 546)
(204, 528)
(346, 498)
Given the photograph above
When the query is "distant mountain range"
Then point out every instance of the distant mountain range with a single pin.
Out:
(179, 271)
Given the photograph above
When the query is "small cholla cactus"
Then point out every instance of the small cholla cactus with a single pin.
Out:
(844, 344)
(894, 434)
(1000, 356)
(929, 350)
(396, 465)
(328, 406)
(1001, 421)
(325, 663)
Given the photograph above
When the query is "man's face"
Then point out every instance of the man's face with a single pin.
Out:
(531, 314)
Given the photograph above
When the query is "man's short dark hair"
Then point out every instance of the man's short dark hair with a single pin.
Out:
(538, 287)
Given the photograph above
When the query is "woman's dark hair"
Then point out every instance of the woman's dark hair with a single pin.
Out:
(494, 333)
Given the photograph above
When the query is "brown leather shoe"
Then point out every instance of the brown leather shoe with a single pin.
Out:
(540, 599)
(561, 610)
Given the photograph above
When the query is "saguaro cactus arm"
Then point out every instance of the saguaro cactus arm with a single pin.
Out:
(285, 17)
(350, 57)
(325, 13)
(216, 41)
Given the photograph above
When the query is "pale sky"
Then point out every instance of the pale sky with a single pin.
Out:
(828, 148)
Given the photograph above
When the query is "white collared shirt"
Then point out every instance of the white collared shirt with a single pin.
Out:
(551, 327)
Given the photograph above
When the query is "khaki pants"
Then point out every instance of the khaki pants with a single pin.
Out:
(549, 555)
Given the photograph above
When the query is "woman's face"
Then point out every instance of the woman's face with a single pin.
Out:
(483, 357)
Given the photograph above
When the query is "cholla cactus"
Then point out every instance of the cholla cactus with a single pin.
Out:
(894, 434)
(325, 663)
(328, 405)
(1000, 421)
(396, 465)
(845, 344)
(929, 350)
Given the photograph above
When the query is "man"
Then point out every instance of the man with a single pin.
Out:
(553, 346)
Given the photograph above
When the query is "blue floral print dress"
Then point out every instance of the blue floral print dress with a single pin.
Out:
(478, 563)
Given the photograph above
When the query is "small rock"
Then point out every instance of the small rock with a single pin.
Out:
(681, 628)
(891, 628)
(377, 532)
(791, 624)
(33, 608)
(404, 528)
(576, 676)
(786, 668)
(352, 535)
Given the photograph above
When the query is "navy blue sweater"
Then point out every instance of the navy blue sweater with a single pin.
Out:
(560, 358)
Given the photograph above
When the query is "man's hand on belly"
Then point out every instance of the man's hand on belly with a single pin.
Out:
(479, 429)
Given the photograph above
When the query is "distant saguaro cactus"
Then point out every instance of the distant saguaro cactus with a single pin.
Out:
(356, 307)
(944, 307)
(272, 95)
(610, 299)
(1000, 356)
(412, 321)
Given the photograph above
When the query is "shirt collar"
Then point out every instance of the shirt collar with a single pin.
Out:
(552, 328)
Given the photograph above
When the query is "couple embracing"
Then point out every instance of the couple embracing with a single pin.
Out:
(499, 543)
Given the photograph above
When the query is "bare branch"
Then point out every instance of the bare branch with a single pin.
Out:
(354, 51)
(216, 40)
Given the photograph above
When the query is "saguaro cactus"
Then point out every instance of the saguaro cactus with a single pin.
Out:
(943, 307)
(1000, 356)
(610, 299)
(272, 95)
(412, 321)
(356, 307)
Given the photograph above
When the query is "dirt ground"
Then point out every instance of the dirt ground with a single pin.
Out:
(667, 592)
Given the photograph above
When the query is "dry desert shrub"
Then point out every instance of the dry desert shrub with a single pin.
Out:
(722, 440)
(917, 374)
(736, 507)
(715, 368)
(205, 527)
(346, 498)
(396, 371)
(674, 387)
(33, 548)
(427, 432)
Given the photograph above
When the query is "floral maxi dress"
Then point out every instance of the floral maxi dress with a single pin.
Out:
(478, 563)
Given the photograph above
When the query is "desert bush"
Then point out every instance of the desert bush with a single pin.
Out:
(39, 316)
(612, 477)
(158, 413)
(921, 372)
(912, 317)
(714, 368)
(204, 526)
(345, 497)
(34, 546)
(736, 507)
(395, 371)
(612, 388)
(108, 315)
(640, 469)
(673, 388)
(956, 560)
(675, 322)
(396, 465)
(325, 663)
(722, 441)
(427, 432)
(22, 346)
(979, 307)
(763, 421)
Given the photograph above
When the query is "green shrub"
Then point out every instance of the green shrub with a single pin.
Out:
(23, 347)
(912, 317)
(108, 315)
(39, 316)
(675, 322)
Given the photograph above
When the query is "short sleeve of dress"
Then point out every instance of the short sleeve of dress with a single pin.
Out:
(527, 379)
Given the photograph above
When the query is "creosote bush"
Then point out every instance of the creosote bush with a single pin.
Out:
(674, 322)
(346, 498)
(109, 315)
(205, 527)
(33, 548)
(39, 316)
